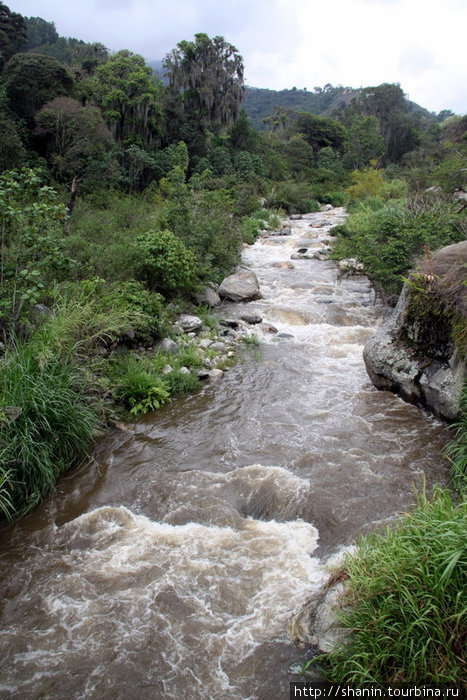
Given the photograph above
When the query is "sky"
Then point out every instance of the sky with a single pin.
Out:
(419, 44)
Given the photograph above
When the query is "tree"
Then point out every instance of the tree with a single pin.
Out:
(320, 132)
(74, 135)
(387, 103)
(365, 141)
(129, 94)
(208, 75)
(33, 79)
(39, 32)
(12, 33)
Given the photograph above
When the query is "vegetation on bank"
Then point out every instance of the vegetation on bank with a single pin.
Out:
(408, 602)
(121, 198)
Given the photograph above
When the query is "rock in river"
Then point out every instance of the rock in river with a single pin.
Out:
(242, 286)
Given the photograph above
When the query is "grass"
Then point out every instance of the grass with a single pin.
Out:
(408, 601)
(46, 424)
(457, 449)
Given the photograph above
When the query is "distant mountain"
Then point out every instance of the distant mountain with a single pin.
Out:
(260, 102)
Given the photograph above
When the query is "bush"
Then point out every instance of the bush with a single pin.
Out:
(408, 614)
(167, 265)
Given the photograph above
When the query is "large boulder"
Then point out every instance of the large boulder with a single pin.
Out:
(415, 354)
(242, 286)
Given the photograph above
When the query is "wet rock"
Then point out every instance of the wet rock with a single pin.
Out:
(252, 319)
(432, 377)
(301, 256)
(168, 345)
(230, 322)
(286, 231)
(284, 335)
(208, 296)
(317, 624)
(295, 217)
(216, 374)
(302, 250)
(269, 328)
(242, 286)
(190, 324)
(202, 373)
(283, 265)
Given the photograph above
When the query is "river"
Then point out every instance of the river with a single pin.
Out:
(169, 566)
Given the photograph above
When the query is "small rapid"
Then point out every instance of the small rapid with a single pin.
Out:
(171, 563)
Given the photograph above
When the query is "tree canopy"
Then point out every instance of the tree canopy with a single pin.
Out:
(208, 75)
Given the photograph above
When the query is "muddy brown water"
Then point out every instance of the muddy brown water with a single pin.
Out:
(170, 565)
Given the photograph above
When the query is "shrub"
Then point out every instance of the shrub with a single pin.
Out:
(167, 265)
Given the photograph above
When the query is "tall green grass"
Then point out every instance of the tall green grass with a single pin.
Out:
(408, 601)
(457, 449)
(46, 424)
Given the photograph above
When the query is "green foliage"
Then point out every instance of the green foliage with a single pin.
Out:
(208, 73)
(202, 219)
(457, 448)
(320, 132)
(31, 80)
(386, 237)
(256, 222)
(12, 33)
(167, 266)
(113, 256)
(370, 182)
(74, 137)
(408, 602)
(294, 197)
(128, 93)
(32, 245)
(38, 32)
(46, 423)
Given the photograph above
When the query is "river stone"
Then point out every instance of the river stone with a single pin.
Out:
(252, 319)
(168, 345)
(204, 343)
(208, 296)
(242, 286)
(216, 374)
(218, 346)
(283, 265)
(167, 370)
(190, 324)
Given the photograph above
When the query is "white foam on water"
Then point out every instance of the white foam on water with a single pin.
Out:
(195, 599)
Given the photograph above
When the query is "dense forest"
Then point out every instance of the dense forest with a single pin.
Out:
(122, 197)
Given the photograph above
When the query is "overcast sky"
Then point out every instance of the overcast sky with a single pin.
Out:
(420, 44)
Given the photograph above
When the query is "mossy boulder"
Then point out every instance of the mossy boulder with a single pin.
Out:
(421, 352)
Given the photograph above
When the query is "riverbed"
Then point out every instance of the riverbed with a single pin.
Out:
(169, 566)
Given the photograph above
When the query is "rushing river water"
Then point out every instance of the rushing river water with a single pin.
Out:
(170, 566)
